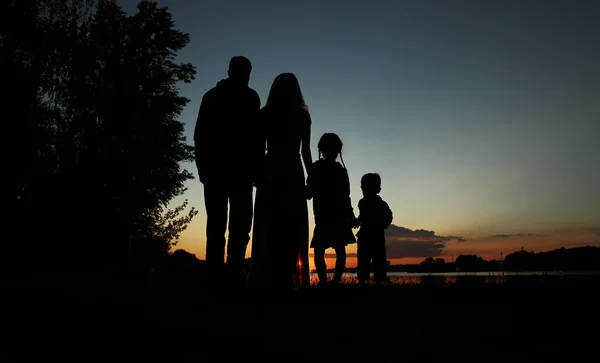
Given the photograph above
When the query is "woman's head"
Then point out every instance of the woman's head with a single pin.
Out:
(330, 146)
(286, 93)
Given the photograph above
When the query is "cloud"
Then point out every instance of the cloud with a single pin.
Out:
(403, 242)
(404, 248)
(518, 235)
(419, 234)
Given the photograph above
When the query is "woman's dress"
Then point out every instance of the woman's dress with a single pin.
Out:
(280, 231)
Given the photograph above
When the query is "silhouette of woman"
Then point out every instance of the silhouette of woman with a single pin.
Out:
(280, 232)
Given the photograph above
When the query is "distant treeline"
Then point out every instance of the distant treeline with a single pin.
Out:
(578, 259)
(184, 265)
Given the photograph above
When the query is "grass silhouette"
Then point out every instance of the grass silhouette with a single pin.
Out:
(72, 320)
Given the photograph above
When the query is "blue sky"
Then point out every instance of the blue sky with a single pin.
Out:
(481, 116)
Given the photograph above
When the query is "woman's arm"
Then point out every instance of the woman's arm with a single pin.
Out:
(310, 182)
(359, 219)
(305, 142)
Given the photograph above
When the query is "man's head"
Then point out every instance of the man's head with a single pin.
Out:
(370, 184)
(239, 69)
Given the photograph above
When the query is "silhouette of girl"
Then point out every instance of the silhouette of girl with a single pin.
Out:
(280, 233)
(329, 187)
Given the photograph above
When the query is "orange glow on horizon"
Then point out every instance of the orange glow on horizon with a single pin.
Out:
(489, 248)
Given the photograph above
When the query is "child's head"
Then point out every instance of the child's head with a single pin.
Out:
(370, 184)
(330, 146)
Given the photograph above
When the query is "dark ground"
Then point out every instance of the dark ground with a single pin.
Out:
(534, 319)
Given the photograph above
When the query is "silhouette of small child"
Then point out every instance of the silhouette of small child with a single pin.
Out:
(375, 216)
(329, 186)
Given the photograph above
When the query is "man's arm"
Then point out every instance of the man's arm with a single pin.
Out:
(202, 137)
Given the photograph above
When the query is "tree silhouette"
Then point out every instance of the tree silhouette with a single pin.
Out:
(565, 259)
(98, 143)
(431, 264)
(470, 263)
(427, 261)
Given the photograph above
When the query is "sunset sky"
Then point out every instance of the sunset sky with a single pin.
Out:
(482, 117)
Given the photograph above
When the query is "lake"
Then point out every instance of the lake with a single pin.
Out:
(410, 278)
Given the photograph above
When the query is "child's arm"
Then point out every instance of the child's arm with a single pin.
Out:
(356, 222)
(360, 218)
(388, 215)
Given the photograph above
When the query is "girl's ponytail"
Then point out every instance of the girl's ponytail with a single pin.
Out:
(342, 160)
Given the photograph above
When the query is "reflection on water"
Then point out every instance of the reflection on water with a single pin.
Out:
(405, 278)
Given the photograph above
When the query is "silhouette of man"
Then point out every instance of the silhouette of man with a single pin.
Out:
(225, 144)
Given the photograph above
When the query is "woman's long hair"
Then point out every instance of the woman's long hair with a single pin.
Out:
(285, 93)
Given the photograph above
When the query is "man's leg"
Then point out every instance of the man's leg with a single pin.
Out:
(240, 224)
(379, 262)
(215, 201)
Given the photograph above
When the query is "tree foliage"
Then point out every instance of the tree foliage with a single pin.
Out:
(96, 145)
(563, 259)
